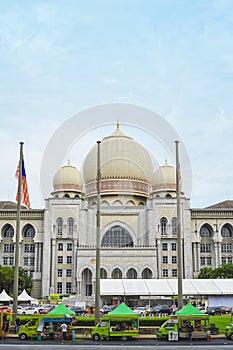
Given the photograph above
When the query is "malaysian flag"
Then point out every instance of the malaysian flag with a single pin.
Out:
(24, 187)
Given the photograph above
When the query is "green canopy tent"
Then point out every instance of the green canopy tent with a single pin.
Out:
(123, 309)
(189, 309)
(61, 309)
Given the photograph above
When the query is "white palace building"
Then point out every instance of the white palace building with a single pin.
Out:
(138, 225)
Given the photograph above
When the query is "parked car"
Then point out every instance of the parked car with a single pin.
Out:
(5, 308)
(90, 310)
(46, 309)
(226, 309)
(107, 308)
(142, 311)
(161, 310)
(214, 310)
(28, 310)
(78, 310)
(218, 310)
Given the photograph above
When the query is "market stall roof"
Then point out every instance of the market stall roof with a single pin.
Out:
(122, 309)
(61, 309)
(165, 287)
(4, 296)
(189, 309)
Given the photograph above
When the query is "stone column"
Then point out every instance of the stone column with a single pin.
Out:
(198, 256)
(39, 256)
(159, 259)
(215, 255)
(36, 257)
(195, 257)
(219, 262)
(74, 258)
(53, 264)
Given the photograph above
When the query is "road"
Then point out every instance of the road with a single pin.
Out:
(138, 344)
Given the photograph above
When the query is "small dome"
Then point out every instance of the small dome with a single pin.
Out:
(68, 178)
(122, 158)
(164, 178)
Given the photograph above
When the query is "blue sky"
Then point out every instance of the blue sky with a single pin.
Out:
(171, 56)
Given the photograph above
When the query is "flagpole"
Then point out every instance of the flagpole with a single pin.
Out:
(97, 273)
(16, 268)
(179, 238)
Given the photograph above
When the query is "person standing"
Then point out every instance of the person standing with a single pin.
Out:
(64, 331)
(51, 331)
(190, 331)
(5, 327)
(17, 324)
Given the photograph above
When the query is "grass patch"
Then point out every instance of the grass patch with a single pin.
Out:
(221, 322)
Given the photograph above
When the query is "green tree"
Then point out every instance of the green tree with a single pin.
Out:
(223, 271)
(7, 280)
(206, 272)
(25, 281)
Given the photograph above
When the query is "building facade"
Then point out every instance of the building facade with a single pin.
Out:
(138, 225)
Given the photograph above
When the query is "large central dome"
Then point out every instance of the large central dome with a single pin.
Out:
(126, 166)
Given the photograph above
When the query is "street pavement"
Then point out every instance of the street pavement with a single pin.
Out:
(13, 343)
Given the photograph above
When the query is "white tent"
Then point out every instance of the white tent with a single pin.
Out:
(4, 297)
(166, 287)
(25, 297)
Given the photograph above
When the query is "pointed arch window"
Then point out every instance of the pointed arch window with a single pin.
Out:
(103, 274)
(59, 225)
(87, 282)
(117, 236)
(116, 274)
(147, 274)
(29, 231)
(132, 274)
(70, 226)
(163, 223)
(206, 231)
(226, 231)
(174, 226)
(8, 231)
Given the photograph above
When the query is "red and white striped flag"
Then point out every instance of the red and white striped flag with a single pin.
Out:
(24, 187)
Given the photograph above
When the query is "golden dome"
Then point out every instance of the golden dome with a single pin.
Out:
(164, 178)
(68, 178)
(121, 158)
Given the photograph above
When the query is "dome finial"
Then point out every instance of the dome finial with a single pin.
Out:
(68, 161)
(166, 162)
(118, 123)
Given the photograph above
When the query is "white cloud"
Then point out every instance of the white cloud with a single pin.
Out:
(110, 80)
